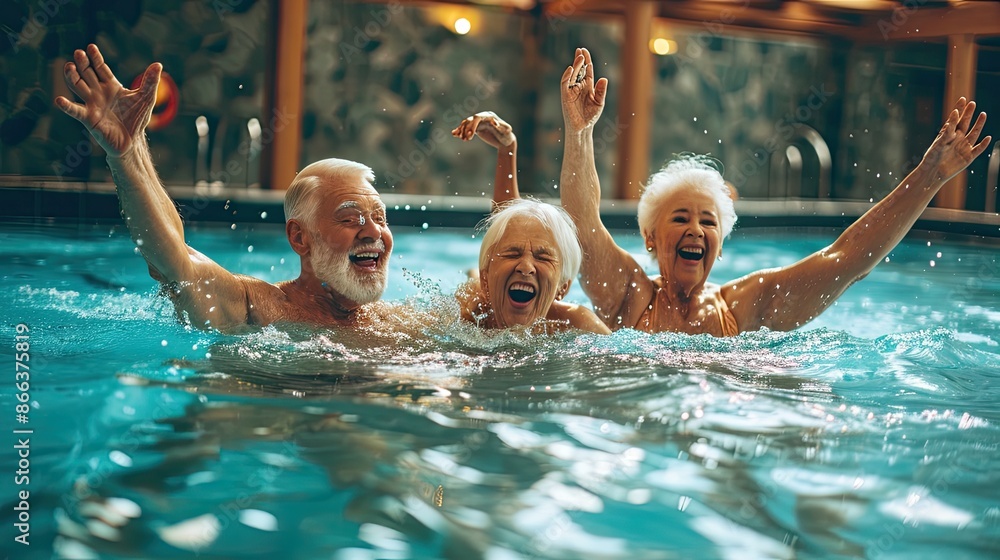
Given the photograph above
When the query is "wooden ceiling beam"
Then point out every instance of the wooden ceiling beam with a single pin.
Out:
(910, 20)
(966, 18)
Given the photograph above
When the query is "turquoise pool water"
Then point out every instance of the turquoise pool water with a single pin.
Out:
(872, 432)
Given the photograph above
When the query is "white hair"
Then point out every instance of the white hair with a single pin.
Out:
(687, 171)
(298, 198)
(554, 218)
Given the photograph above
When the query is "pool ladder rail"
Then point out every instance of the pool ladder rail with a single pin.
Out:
(212, 166)
(786, 173)
(992, 173)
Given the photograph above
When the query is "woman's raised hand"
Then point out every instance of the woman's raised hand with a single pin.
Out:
(489, 127)
(582, 97)
(955, 146)
(115, 116)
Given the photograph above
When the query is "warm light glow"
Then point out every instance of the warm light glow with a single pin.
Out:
(459, 19)
(662, 46)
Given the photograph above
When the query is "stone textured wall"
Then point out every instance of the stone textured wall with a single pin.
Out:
(386, 84)
(214, 51)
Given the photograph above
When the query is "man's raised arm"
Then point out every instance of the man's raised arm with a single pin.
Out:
(209, 295)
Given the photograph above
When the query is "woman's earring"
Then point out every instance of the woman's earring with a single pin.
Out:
(649, 249)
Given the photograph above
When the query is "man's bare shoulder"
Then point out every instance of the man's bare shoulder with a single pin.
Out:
(268, 303)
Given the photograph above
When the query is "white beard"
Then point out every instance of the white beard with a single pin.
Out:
(336, 270)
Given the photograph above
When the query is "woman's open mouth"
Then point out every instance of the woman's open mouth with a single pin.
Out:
(691, 253)
(521, 294)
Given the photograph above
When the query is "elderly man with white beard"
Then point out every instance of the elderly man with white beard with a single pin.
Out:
(335, 221)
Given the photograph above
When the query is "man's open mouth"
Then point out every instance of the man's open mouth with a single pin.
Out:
(366, 259)
(521, 293)
(691, 253)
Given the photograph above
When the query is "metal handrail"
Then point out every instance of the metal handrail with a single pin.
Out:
(992, 173)
(786, 169)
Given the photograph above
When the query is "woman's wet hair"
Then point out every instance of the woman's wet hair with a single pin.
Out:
(298, 198)
(554, 218)
(687, 170)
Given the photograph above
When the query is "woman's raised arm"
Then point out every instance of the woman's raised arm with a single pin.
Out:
(788, 297)
(497, 133)
(609, 275)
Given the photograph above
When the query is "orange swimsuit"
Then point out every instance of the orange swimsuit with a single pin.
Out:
(727, 322)
(726, 319)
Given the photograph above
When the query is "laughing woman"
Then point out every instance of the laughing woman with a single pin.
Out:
(686, 212)
(530, 252)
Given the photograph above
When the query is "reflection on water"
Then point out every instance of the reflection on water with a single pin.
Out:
(849, 439)
(633, 445)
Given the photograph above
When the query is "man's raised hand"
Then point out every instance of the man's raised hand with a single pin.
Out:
(114, 115)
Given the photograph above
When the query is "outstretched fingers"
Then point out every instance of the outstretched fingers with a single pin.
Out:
(85, 69)
(589, 64)
(600, 90)
(75, 82)
(578, 63)
(565, 80)
(74, 110)
(977, 128)
(967, 112)
(981, 147)
(951, 123)
(101, 68)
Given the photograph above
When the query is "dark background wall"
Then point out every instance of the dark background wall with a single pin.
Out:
(385, 84)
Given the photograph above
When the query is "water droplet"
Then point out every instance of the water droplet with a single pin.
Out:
(424, 225)
(250, 249)
(163, 342)
(263, 215)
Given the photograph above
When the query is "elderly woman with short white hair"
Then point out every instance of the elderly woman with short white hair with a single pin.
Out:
(686, 212)
(530, 252)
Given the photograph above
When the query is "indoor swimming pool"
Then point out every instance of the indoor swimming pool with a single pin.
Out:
(873, 431)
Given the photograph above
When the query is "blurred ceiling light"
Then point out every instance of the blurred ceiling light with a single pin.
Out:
(662, 46)
(460, 20)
